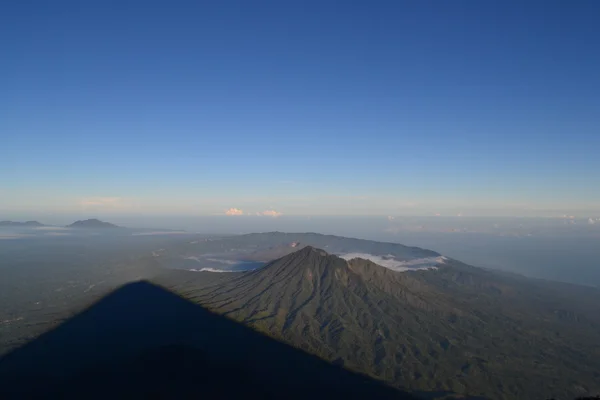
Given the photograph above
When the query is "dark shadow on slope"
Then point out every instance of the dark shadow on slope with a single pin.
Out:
(142, 341)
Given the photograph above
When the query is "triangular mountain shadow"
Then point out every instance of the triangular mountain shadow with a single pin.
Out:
(142, 341)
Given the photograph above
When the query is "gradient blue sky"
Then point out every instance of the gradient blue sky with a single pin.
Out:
(302, 107)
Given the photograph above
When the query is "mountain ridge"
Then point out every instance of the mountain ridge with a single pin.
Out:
(18, 223)
(92, 223)
(305, 239)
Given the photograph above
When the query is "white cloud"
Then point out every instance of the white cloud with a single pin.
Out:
(271, 213)
(396, 265)
(161, 233)
(228, 262)
(234, 211)
(211, 270)
(591, 221)
(218, 260)
(390, 218)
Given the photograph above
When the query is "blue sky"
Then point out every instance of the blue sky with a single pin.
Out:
(300, 107)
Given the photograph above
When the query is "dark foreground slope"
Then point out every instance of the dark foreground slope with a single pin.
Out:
(142, 341)
(457, 329)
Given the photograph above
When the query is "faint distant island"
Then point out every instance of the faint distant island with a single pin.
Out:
(16, 223)
(92, 223)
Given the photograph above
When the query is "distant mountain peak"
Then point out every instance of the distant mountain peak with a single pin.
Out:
(354, 264)
(92, 223)
(312, 250)
(26, 223)
(308, 266)
(309, 254)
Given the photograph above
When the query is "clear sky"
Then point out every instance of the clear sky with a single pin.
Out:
(300, 107)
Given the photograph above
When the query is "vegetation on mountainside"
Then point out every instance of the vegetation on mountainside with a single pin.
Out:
(458, 328)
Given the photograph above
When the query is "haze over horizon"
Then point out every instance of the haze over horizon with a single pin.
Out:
(311, 108)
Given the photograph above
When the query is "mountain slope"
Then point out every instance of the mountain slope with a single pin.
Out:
(457, 328)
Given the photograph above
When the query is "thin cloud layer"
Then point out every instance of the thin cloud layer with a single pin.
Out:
(211, 270)
(13, 236)
(271, 213)
(101, 201)
(234, 211)
(161, 233)
(397, 265)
